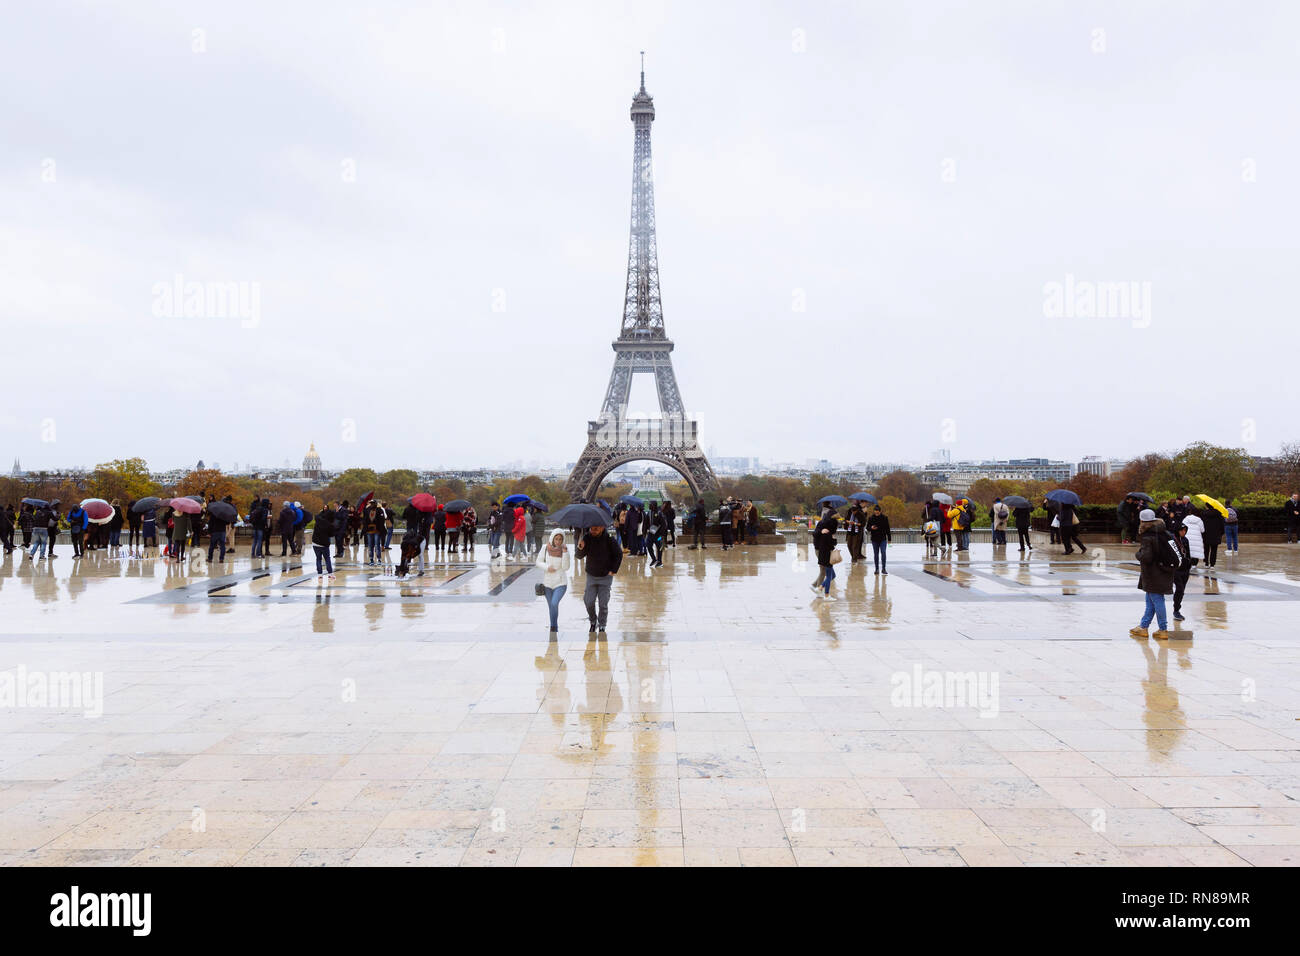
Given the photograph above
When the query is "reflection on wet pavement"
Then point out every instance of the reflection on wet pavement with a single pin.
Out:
(981, 711)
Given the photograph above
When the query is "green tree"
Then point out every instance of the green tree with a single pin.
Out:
(1202, 468)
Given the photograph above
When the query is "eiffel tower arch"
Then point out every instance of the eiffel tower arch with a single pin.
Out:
(642, 347)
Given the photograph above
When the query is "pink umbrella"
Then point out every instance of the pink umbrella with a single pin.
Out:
(425, 502)
(186, 505)
(98, 511)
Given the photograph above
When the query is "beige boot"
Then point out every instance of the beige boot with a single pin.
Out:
(1161, 635)
(1139, 632)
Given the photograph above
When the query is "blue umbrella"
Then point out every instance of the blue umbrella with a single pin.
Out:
(863, 496)
(632, 500)
(35, 502)
(835, 501)
(541, 505)
(517, 500)
(605, 504)
(1063, 496)
(580, 516)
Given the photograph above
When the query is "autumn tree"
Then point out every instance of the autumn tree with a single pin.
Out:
(904, 485)
(123, 479)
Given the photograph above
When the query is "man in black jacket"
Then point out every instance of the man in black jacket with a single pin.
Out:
(603, 558)
(341, 516)
(699, 524)
(7, 528)
(1292, 511)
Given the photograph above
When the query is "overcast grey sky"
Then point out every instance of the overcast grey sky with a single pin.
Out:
(432, 203)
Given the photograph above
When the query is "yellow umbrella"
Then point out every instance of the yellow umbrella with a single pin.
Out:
(1215, 504)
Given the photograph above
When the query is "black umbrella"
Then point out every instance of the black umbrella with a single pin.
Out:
(1141, 494)
(1063, 496)
(35, 502)
(146, 504)
(581, 516)
(540, 505)
(460, 504)
(223, 511)
(1016, 501)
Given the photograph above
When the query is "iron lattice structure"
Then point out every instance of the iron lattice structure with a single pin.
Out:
(641, 347)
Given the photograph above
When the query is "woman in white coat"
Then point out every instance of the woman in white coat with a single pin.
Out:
(1195, 536)
(555, 562)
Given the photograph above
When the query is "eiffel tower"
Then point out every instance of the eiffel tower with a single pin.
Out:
(642, 346)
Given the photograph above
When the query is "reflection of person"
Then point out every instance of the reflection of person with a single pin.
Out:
(603, 558)
(555, 562)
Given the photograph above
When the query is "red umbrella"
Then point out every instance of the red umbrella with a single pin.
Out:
(425, 502)
(364, 500)
(97, 510)
(186, 505)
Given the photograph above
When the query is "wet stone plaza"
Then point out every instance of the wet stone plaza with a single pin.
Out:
(970, 710)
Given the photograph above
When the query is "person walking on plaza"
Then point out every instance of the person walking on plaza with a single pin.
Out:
(217, 534)
(1021, 516)
(1213, 534)
(670, 524)
(538, 529)
(654, 536)
(322, 539)
(342, 515)
(77, 523)
(878, 528)
(148, 530)
(945, 526)
(999, 513)
(453, 531)
(728, 529)
(827, 555)
(132, 529)
(1183, 571)
(519, 534)
(602, 557)
(40, 532)
(284, 524)
(1231, 525)
(699, 525)
(494, 530)
(1291, 511)
(299, 528)
(555, 562)
(855, 523)
(115, 525)
(962, 515)
(1069, 527)
(1158, 557)
(468, 528)
(180, 535)
(1195, 535)
(7, 521)
(26, 515)
(370, 523)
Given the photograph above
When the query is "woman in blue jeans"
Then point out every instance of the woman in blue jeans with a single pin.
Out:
(824, 545)
(554, 560)
(1230, 528)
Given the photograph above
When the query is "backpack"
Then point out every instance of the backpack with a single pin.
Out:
(1232, 516)
(1170, 556)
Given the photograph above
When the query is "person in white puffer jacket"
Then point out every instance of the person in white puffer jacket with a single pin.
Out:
(554, 560)
(1195, 536)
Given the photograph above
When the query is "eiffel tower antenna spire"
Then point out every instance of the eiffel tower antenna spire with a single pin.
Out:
(641, 347)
